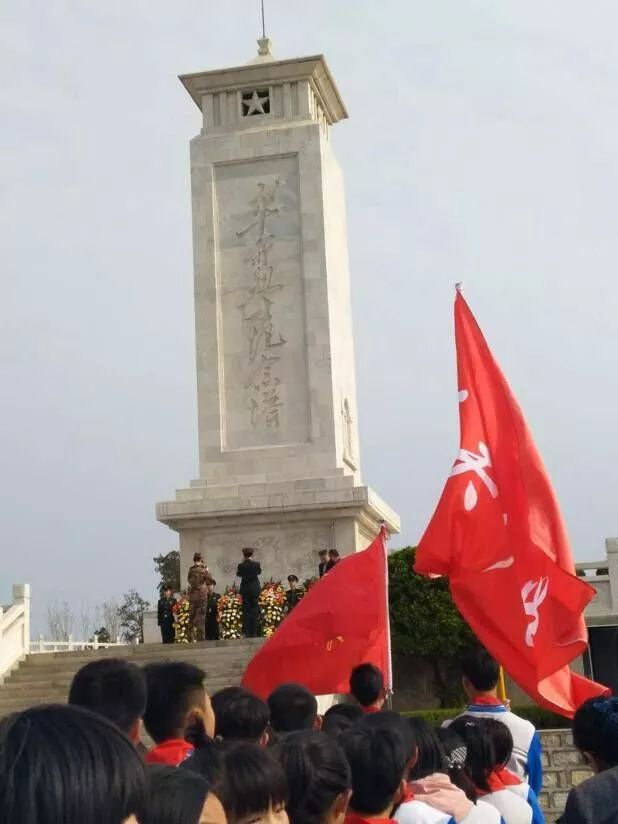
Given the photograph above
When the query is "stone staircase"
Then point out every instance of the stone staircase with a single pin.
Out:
(45, 678)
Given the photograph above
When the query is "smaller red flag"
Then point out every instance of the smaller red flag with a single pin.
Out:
(498, 535)
(340, 623)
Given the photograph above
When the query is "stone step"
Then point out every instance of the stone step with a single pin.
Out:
(176, 651)
(41, 674)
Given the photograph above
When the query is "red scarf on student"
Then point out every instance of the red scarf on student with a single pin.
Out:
(499, 780)
(352, 818)
(172, 752)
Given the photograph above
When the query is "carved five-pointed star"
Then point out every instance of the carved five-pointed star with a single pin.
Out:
(256, 105)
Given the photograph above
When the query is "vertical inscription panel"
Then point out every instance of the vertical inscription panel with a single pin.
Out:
(262, 347)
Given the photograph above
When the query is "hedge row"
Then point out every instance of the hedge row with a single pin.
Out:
(542, 719)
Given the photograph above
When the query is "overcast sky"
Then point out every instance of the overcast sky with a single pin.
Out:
(481, 147)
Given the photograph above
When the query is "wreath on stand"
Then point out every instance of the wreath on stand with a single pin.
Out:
(180, 611)
(272, 603)
(229, 613)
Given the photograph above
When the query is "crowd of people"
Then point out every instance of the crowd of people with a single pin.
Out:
(204, 599)
(236, 758)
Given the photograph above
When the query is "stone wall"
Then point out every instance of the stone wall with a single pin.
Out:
(563, 768)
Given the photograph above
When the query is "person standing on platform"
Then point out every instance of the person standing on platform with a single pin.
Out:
(323, 556)
(333, 559)
(248, 571)
(294, 593)
(165, 615)
(212, 616)
(198, 579)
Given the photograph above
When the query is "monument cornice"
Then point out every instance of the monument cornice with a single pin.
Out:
(313, 69)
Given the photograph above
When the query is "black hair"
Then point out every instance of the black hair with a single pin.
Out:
(175, 796)
(239, 714)
(334, 552)
(197, 556)
(317, 773)
(366, 684)
(350, 711)
(292, 578)
(212, 582)
(323, 552)
(340, 717)
(63, 763)
(206, 761)
(481, 670)
(253, 780)
(387, 719)
(292, 707)
(171, 686)
(480, 753)
(113, 688)
(377, 758)
(501, 739)
(168, 586)
(430, 759)
(595, 730)
(455, 753)
(248, 551)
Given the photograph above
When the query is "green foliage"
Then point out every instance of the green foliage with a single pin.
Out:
(131, 614)
(168, 570)
(103, 636)
(424, 619)
(425, 622)
(541, 718)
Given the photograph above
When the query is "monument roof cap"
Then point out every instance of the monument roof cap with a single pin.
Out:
(314, 69)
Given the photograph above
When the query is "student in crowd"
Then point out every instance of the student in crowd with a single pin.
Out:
(253, 789)
(240, 715)
(433, 798)
(323, 561)
(178, 714)
(480, 683)
(339, 718)
(292, 707)
(482, 765)
(165, 615)
(377, 759)
(114, 688)
(207, 761)
(595, 733)
(318, 775)
(367, 686)
(502, 741)
(67, 764)
(212, 611)
(180, 797)
(248, 571)
(333, 560)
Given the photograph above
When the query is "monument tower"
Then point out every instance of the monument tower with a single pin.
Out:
(279, 461)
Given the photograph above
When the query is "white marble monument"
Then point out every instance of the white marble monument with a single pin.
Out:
(277, 416)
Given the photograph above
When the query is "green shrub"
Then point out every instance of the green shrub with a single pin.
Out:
(541, 718)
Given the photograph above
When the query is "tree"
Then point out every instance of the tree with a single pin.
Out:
(425, 622)
(111, 618)
(168, 570)
(60, 620)
(131, 615)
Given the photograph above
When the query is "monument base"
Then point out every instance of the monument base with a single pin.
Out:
(287, 522)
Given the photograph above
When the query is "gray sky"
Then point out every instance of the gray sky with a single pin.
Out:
(481, 147)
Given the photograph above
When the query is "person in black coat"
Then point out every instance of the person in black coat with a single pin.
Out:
(294, 593)
(212, 616)
(165, 615)
(333, 560)
(250, 587)
(323, 556)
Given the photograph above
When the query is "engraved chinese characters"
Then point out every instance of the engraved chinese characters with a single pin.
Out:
(260, 295)
(263, 400)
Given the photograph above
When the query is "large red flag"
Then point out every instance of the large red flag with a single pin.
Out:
(341, 622)
(498, 535)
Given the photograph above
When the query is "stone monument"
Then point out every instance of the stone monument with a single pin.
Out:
(277, 416)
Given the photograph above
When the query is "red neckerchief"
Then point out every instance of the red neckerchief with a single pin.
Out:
(508, 778)
(352, 818)
(486, 701)
(369, 710)
(408, 795)
(495, 784)
(171, 752)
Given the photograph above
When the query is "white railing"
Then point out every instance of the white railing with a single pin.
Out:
(15, 629)
(70, 645)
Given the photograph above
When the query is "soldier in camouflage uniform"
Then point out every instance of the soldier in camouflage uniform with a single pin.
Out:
(197, 593)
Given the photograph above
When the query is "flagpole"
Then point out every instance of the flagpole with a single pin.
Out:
(389, 652)
(502, 685)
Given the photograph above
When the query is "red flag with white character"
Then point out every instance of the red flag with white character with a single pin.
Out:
(498, 535)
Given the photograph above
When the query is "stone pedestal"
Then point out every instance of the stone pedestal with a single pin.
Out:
(277, 417)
